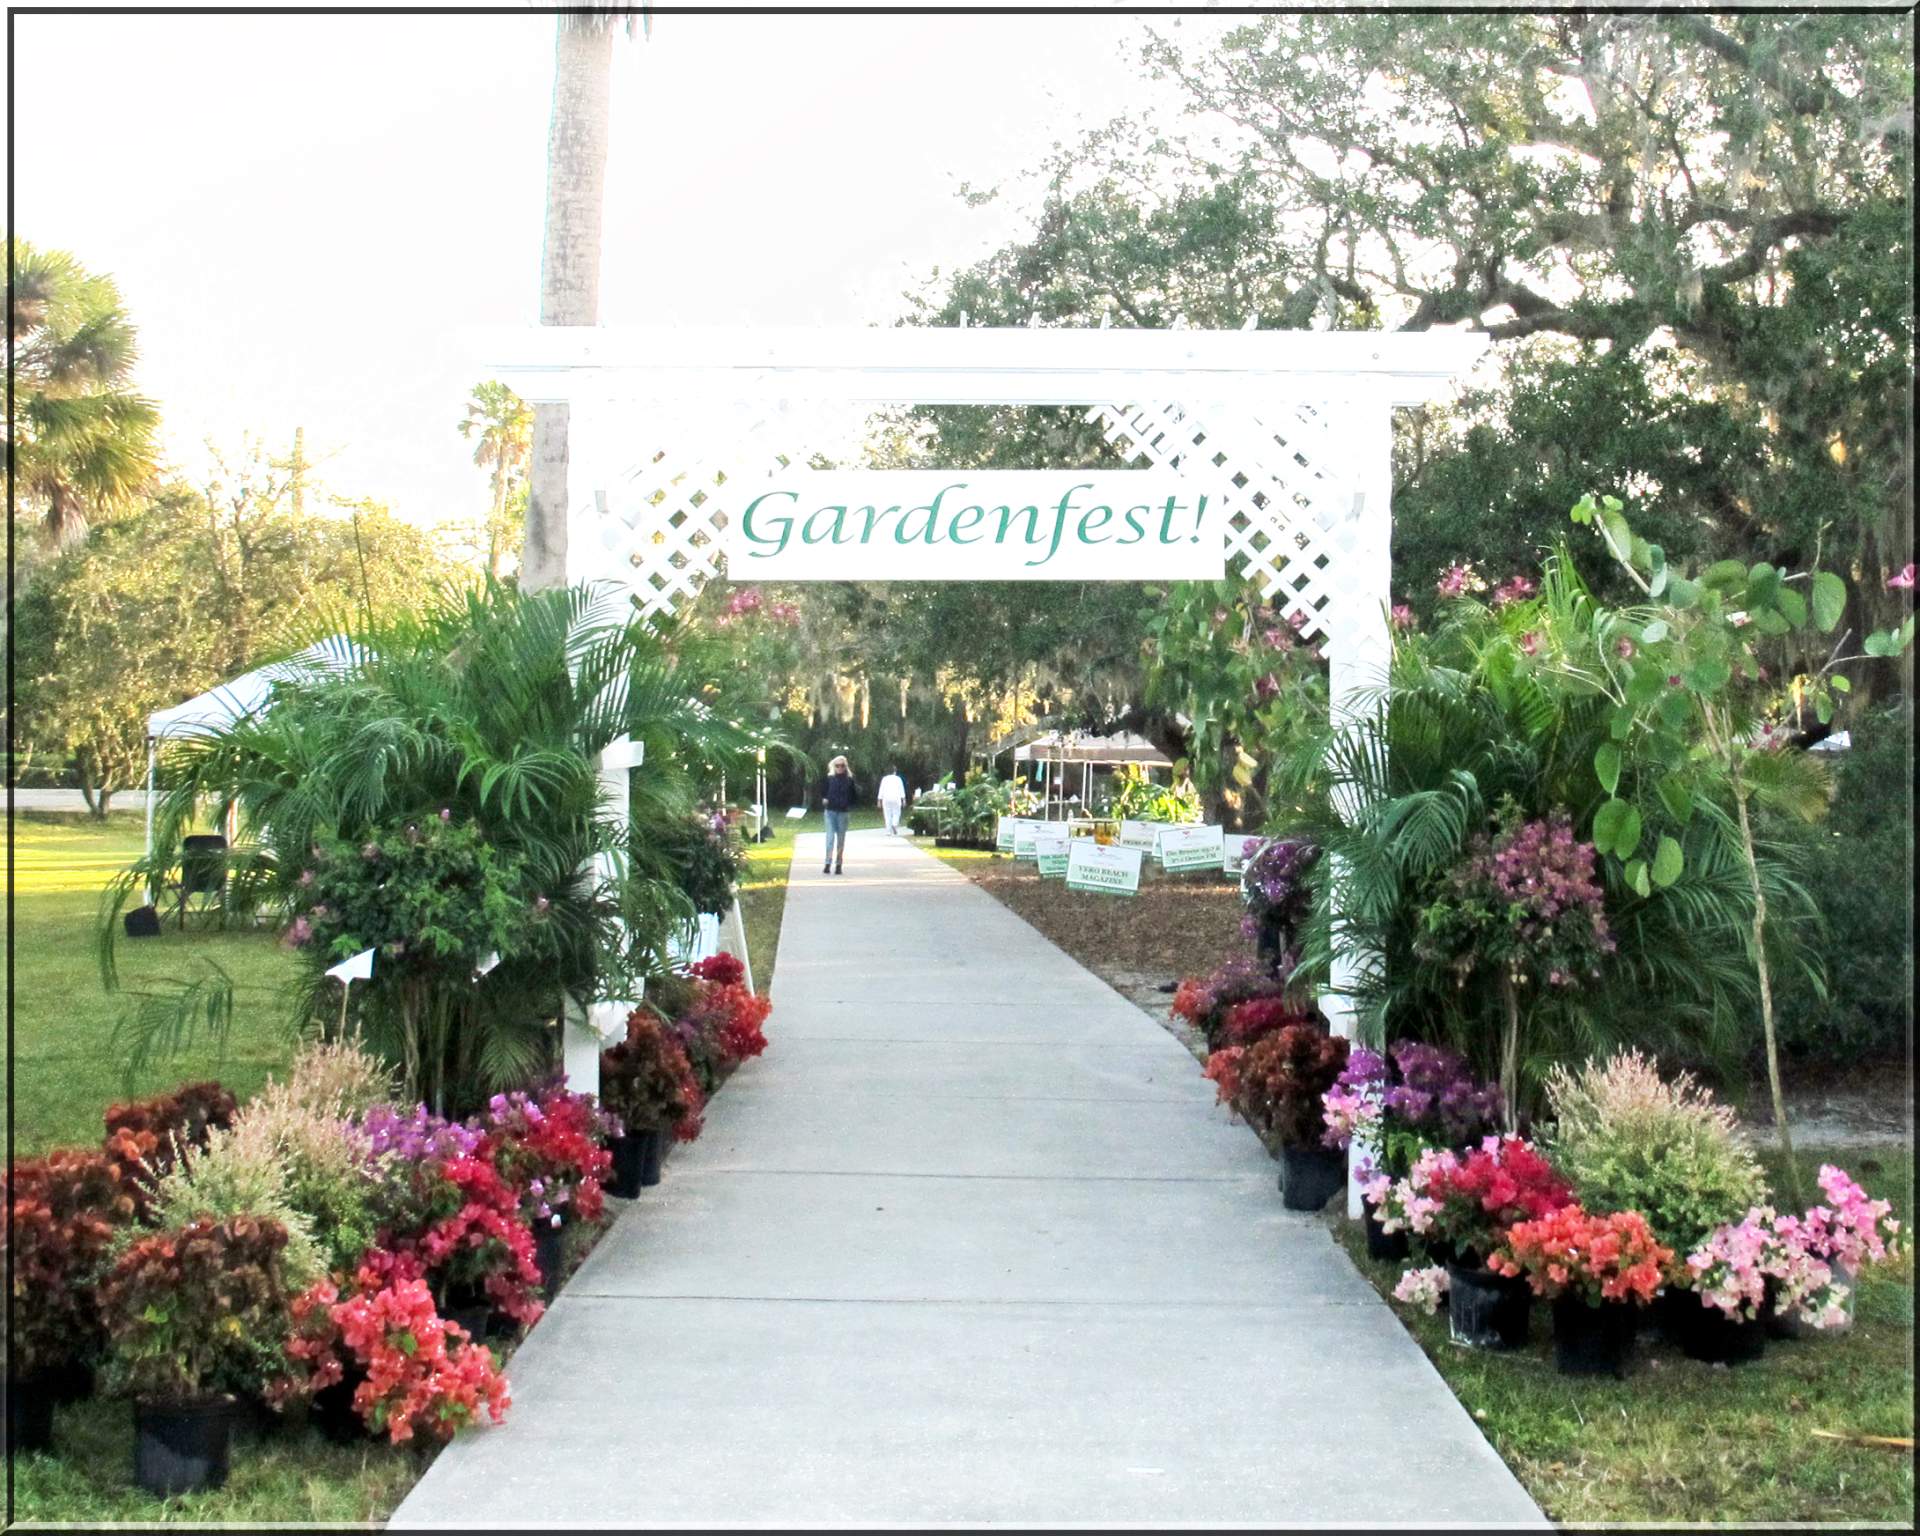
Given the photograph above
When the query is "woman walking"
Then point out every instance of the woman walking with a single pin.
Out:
(838, 793)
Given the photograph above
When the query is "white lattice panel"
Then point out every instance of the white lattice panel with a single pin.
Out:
(1293, 520)
(1292, 517)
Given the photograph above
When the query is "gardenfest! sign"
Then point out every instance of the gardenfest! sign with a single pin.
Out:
(990, 525)
(1108, 867)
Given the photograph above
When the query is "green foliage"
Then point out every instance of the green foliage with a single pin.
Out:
(1627, 1141)
(1506, 702)
(708, 862)
(187, 590)
(1137, 798)
(236, 1176)
(493, 707)
(80, 443)
(1858, 864)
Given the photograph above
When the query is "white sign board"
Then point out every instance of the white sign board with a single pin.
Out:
(795, 813)
(1112, 868)
(1024, 833)
(1144, 835)
(1188, 848)
(1003, 835)
(1050, 850)
(1239, 850)
(986, 525)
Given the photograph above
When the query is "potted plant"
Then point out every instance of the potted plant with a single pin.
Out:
(1281, 1080)
(193, 1315)
(1414, 1099)
(1598, 1271)
(380, 1359)
(549, 1148)
(1842, 1235)
(63, 1210)
(648, 1086)
(1727, 1276)
(1278, 898)
(1204, 1001)
(447, 1209)
(1476, 1198)
(1629, 1140)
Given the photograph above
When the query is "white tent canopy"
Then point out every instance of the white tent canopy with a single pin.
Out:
(247, 694)
(236, 699)
(1084, 747)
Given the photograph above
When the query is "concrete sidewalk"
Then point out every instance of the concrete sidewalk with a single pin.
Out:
(970, 1244)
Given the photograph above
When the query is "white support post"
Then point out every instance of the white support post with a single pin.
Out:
(1359, 649)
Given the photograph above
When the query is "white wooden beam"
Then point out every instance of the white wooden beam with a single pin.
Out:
(974, 365)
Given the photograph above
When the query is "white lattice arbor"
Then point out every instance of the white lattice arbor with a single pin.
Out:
(1288, 433)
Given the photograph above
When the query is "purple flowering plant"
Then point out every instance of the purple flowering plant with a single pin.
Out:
(1278, 895)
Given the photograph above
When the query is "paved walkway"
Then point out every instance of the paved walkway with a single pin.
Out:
(969, 1244)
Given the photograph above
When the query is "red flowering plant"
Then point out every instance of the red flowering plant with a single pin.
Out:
(716, 1019)
(1480, 1195)
(1251, 1021)
(1204, 1001)
(447, 1209)
(62, 1212)
(1279, 1081)
(1600, 1259)
(417, 1372)
(197, 1311)
(551, 1148)
(647, 1083)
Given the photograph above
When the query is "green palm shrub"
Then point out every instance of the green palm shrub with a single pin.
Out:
(461, 743)
(1504, 703)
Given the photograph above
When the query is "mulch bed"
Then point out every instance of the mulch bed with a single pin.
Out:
(1179, 925)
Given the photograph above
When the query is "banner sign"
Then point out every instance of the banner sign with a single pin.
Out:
(1144, 835)
(986, 525)
(1111, 868)
(1189, 848)
(1050, 850)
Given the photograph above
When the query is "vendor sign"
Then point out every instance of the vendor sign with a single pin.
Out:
(1050, 852)
(1024, 833)
(1188, 848)
(1239, 850)
(1003, 840)
(1110, 867)
(1144, 835)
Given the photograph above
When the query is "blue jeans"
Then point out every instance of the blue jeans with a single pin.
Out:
(836, 837)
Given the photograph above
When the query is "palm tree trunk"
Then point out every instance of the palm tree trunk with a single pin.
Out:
(1766, 994)
(570, 265)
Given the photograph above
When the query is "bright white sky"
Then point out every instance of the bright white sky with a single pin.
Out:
(304, 213)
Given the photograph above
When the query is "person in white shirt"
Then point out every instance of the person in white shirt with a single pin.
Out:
(893, 795)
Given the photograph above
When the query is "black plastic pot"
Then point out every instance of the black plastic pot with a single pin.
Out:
(70, 1383)
(257, 1416)
(1389, 1247)
(1439, 1251)
(182, 1447)
(1311, 1176)
(474, 1316)
(30, 1402)
(1593, 1341)
(332, 1412)
(1706, 1333)
(1486, 1309)
(549, 1253)
(636, 1162)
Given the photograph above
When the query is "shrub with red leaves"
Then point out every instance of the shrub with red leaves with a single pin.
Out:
(196, 1311)
(63, 1210)
(1282, 1078)
(647, 1081)
(1251, 1021)
(174, 1120)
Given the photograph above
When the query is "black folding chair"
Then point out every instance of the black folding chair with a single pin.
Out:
(203, 873)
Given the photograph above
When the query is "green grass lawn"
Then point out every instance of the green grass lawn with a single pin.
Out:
(65, 1068)
(1683, 1441)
